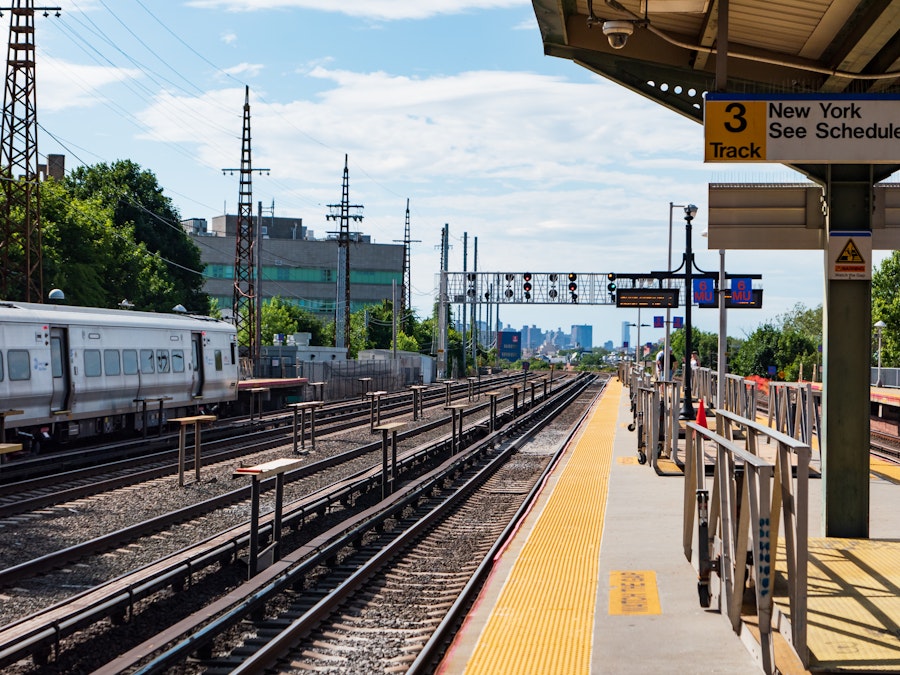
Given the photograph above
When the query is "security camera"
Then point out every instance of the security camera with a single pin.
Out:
(617, 32)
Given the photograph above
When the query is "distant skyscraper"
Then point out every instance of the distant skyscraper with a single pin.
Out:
(583, 336)
(626, 334)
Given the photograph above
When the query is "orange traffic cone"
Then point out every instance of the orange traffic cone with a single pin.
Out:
(701, 415)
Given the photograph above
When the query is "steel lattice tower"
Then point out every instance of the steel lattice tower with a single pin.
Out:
(20, 247)
(342, 213)
(406, 294)
(243, 303)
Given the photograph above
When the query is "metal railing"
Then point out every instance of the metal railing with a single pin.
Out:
(738, 524)
(740, 396)
(794, 409)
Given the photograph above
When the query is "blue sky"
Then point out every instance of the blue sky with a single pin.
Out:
(449, 103)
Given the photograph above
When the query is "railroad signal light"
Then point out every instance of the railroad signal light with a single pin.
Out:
(573, 287)
(553, 278)
(572, 276)
(526, 286)
(527, 276)
(552, 293)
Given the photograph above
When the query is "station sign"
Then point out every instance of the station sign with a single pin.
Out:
(755, 302)
(703, 291)
(647, 297)
(815, 129)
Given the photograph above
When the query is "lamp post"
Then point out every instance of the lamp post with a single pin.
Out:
(879, 326)
(667, 365)
(687, 408)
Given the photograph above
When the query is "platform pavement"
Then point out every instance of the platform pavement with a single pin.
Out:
(641, 534)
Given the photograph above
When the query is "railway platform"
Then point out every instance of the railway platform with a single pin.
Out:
(596, 579)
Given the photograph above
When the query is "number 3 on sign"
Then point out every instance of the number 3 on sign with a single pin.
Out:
(735, 131)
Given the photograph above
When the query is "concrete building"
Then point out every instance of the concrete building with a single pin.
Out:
(583, 336)
(296, 267)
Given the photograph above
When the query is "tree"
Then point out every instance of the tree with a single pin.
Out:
(136, 206)
(406, 343)
(757, 352)
(705, 344)
(94, 262)
(886, 307)
(280, 316)
(768, 346)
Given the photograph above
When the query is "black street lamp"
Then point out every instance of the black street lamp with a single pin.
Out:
(687, 408)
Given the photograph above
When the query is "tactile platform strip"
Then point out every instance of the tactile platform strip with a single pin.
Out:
(543, 620)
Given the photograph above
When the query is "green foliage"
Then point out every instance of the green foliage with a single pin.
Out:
(94, 261)
(705, 344)
(406, 343)
(769, 346)
(139, 216)
(886, 307)
(280, 316)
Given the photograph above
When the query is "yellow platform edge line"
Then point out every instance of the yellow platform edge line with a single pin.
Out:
(544, 617)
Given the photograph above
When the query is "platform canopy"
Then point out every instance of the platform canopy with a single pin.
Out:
(793, 46)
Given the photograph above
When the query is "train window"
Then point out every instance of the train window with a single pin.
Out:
(18, 362)
(130, 361)
(218, 355)
(92, 363)
(56, 357)
(1, 368)
(146, 360)
(162, 360)
(112, 362)
(178, 360)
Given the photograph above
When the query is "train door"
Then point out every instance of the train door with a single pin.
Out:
(197, 361)
(59, 369)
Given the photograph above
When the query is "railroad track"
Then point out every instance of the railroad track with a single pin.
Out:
(85, 461)
(193, 568)
(275, 430)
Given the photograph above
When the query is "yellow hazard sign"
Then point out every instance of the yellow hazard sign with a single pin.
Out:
(850, 255)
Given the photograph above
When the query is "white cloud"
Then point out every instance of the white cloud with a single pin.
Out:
(229, 37)
(244, 69)
(68, 85)
(380, 10)
(550, 175)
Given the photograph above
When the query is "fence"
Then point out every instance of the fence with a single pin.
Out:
(342, 377)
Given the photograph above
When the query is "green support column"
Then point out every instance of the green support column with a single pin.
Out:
(847, 352)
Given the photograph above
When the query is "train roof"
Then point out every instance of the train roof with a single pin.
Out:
(30, 311)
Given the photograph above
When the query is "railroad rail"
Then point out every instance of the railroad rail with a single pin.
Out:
(41, 634)
(35, 493)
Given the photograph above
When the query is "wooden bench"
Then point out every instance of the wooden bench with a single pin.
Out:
(375, 409)
(6, 448)
(388, 484)
(301, 408)
(259, 560)
(185, 422)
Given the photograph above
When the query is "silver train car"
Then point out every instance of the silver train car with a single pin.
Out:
(77, 372)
